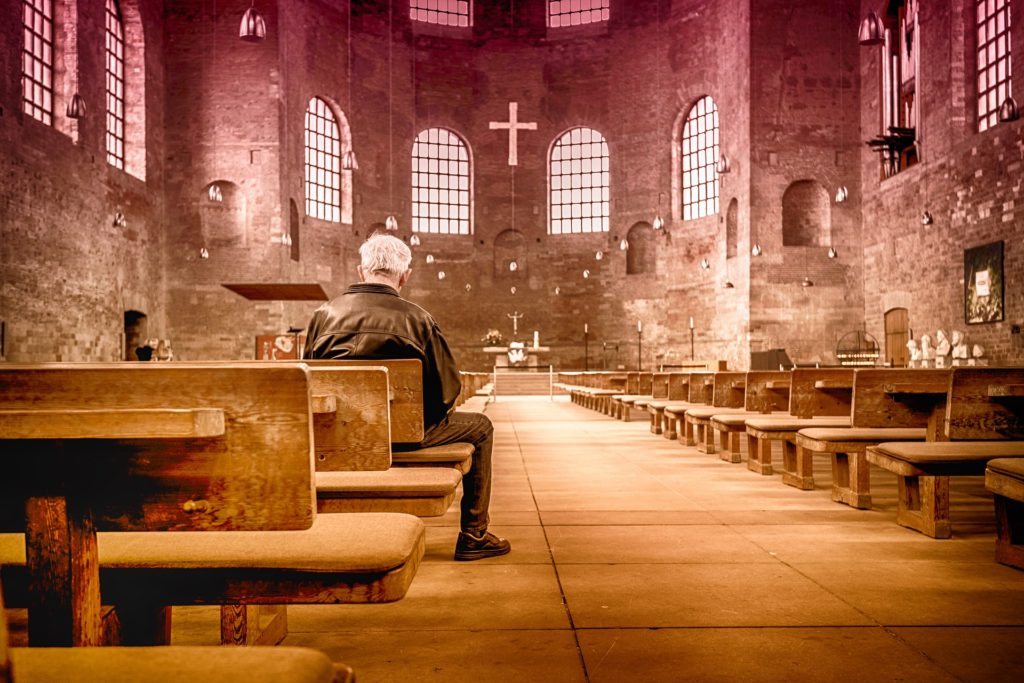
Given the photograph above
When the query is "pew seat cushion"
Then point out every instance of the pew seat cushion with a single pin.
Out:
(175, 665)
(941, 458)
(679, 408)
(826, 439)
(399, 482)
(734, 421)
(457, 455)
(363, 543)
(631, 399)
(1005, 477)
(707, 412)
(659, 403)
(768, 425)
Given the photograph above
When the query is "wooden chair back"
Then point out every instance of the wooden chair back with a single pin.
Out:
(161, 446)
(659, 385)
(729, 389)
(896, 397)
(985, 403)
(678, 386)
(767, 391)
(351, 418)
(702, 388)
(645, 381)
(405, 378)
(826, 392)
(632, 383)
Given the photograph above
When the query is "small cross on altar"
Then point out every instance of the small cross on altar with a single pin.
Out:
(513, 126)
(515, 315)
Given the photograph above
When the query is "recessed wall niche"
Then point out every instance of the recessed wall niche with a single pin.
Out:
(641, 257)
(223, 219)
(806, 215)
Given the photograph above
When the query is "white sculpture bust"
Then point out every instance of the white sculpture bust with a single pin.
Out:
(927, 353)
(959, 345)
(942, 345)
(915, 353)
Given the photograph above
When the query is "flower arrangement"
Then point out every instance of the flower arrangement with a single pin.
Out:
(493, 338)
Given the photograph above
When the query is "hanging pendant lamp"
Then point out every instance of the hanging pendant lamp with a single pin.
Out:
(349, 162)
(872, 31)
(76, 107)
(414, 241)
(253, 28)
(1009, 111)
(658, 223)
(391, 223)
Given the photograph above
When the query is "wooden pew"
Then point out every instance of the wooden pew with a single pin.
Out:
(700, 391)
(982, 418)
(761, 397)
(815, 392)
(659, 394)
(134, 449)
(888, 405)
(164, 664)
(678, 391)
(638, 386)
(728, 394)
(1004, 477)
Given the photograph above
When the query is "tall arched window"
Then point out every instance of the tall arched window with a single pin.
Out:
(114, 52)
(37, 59)
(323, 162)
(443, 12)
(441, 183)
(576, 12)
(699, 155)
(580, 197)
(994, 82)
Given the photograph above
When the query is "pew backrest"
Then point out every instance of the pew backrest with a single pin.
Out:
(678, 386)
(729, 389)
(645, 381)
(702, 388)
(825, 392)
(659, 385)
(632, 383)
(985, 403)
(405, 378)
(903, 398)
(351, 418)
(767, 391)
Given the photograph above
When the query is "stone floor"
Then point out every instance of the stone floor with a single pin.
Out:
(638, 559)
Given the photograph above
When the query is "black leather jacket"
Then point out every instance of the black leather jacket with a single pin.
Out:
(373, 321)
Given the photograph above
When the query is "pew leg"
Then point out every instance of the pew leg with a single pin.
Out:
(669, 430)
(732, 450)
(138, 623)
(688, 436)
(699, 437)
(627, 412)
(851, 480)
(759, 459)
(655, 421)
(924, 505)
(253, 624)
(709, 438)
(797, 466)
(1009, 532)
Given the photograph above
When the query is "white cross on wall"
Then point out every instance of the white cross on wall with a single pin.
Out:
(513, 126)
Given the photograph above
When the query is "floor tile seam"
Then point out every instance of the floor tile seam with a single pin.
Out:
(554, 565)
(920, 652)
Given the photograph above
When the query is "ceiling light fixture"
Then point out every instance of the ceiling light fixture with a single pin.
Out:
(76, 107)
(756, 249)
(871, 31)
(1009, 111)
(253, 28)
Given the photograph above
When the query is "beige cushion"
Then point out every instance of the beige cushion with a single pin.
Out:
(874, 435)
(355, 542)
(394, 483)
(633, 398)
(659, 403)
(171, 665)
(1010, 467)
(792, 424)
(453, 452)
(735, 419)
(679, 408)
(706, 413)
(947, 452)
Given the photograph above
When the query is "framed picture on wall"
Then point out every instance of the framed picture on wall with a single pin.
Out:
(983, 284)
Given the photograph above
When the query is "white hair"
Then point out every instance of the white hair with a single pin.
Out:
(384, 255)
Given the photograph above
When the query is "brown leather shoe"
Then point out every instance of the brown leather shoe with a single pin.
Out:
(470, 547)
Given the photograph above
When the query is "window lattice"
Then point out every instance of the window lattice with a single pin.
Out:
(576, 12)
(440, 183)
(115, 84)
(37, 59)
(580, 183)
(993, 22)
(443, 12)
(700, 156)
(323, 162)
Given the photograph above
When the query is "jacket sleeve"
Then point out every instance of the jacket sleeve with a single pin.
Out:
(440, 363)
(312, 331)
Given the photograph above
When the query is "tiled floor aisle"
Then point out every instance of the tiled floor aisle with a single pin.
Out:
(637, 559)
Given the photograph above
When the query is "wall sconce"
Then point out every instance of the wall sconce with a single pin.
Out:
(807, 282)
(728, 285)
(1008, 111)
(599, 255)
(120, 221)
(348, 162)
(872, 31)
(253, 28)
(658, 223)
(513, 266)
(76, 107)
(624, 245)
(586, 274)
(469, 287)
(414, 241)
(215, 193)
(832, 252)
(724, 165)
(391, 223)
(441, 275)
(756, 249)
(204, 253)
(842, 194)
(705, 264)
(926, 218)
(429, 259)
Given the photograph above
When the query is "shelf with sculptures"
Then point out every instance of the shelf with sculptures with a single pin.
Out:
(945, 353)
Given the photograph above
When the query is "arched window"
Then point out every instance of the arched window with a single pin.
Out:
(443, 12)
(580, 197)
(114, 51)
(576, 12)
(37, 59)
(700, 155)
(323, 162)
(441, 183)
(994, 82)
(806, 215)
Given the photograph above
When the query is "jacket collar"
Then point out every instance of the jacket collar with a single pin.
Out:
(371, 288)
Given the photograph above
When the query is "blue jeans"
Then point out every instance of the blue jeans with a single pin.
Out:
(474, 428)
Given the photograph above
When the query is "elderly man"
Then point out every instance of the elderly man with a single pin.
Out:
(370, 320)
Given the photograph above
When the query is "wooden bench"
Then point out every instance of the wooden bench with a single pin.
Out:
(677, 389)
(983, 419)
(728, 394)
(761, 397)
(700, 389)
(1004, 477)
(164, 664)
(659, 394)
(135, 449)
(638, 387)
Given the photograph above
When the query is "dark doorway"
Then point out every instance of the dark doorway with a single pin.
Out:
(134, 333)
